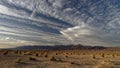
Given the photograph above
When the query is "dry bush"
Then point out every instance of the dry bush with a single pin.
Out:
(32, 58)
(83, 53)
(117, 54)
(18, 60)
(46, 56)
(27, 53)
(16, 52)
(56, 53)
(113, 55)
(37, 54)
(72, 63)
(66, 56)
(5, 53)
(103, 55)
(67, 53)
(53, 58)
(93, 56)
(43, 54)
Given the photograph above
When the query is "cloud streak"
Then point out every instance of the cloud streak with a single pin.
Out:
(50, 22)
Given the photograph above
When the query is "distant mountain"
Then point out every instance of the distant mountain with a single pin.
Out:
(60, 47)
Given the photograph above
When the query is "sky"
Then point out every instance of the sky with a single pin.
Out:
(59, 22)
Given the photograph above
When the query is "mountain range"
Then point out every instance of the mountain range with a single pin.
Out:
(64, 47)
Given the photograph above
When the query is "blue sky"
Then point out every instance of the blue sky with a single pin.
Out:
(54, 22)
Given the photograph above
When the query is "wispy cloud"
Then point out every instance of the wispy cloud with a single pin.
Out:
(49, 22)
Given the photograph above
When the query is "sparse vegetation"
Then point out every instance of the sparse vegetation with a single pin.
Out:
(32, 58)
(103, 55)
(53, 58)
(93, 56)
(5, 53)
(46, 56)
(66, 56)
(27, 53)
(71, 58)
(113, 55)
(37, 54)
(72, 62)
(56, 54)
(16, 52)
(18, 60)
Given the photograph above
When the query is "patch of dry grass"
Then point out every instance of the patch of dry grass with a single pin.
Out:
(18, 60)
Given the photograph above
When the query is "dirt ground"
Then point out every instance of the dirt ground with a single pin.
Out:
(59, 59)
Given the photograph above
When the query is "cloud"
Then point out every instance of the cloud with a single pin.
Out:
(49, 22)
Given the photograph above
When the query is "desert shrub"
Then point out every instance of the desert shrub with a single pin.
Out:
(46, 55)
(37, 54)
(113, 55)
(53, 58)
(117, 54)
(5, 53)
(93, 56)
(43, 54)
(72, 62)
(56, 53)
(103, 55)
(16, 52)
(83, 53)
(32, 58)
(18, 60)
(27, 53)
(67, 53)
(66, 56)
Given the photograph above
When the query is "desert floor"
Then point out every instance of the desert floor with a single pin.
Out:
(59, 59)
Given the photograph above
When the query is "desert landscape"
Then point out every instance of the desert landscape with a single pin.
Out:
(84, 58)
(59, 33)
